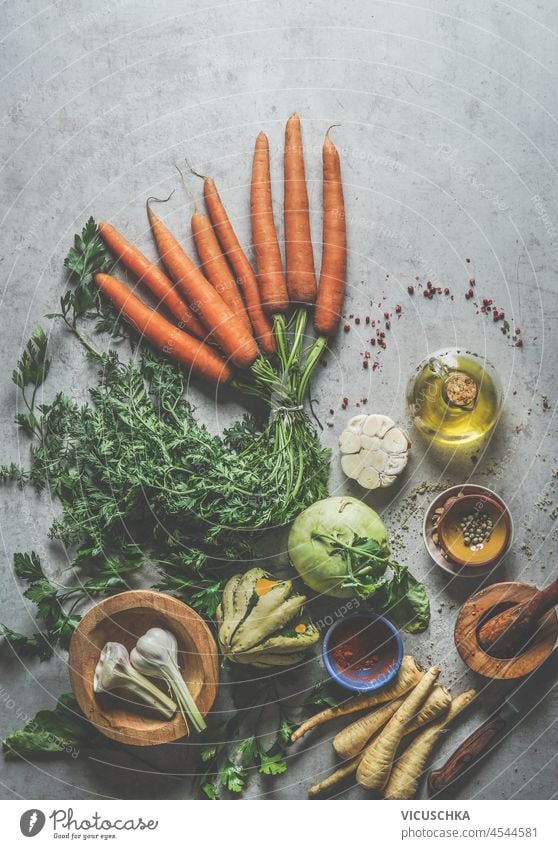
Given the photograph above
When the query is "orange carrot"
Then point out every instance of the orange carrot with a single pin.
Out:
(263, 330)
(177, 344)
(273, 288)
(301, 276)
(226, 328)
(334, 251)
(215, 266)
(154, 279)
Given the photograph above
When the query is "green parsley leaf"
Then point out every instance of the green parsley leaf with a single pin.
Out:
(233, 777)
(272, 764)
(209, 790)
(32, 645)
(28, 566)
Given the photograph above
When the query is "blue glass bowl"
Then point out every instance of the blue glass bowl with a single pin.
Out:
(385, 643)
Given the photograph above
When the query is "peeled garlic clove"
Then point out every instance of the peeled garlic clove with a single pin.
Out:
(369, 442)
(395, 441)
(356, 422)
(377, 459)
(396, 463)
(369, 478)
(377, 425)
(349, 442)
(352, 464)
(387, 480)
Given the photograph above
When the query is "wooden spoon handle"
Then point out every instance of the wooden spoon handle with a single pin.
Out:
(467, 754)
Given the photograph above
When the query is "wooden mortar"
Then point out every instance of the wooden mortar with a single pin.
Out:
(490, 601)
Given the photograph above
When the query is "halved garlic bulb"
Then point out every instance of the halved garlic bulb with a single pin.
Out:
(374, 451)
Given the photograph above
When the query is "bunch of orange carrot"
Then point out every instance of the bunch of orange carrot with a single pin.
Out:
(223, 316)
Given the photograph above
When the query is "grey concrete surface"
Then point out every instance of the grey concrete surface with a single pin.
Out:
(447, 114)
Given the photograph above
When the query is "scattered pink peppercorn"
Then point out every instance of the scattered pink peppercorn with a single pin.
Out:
(411, 289)
(367, 320)
(372, 341)
(346, 327)
(472, 281)
(365, 364)
(357, 320)
(446, 291)
(398, 308)
(388, 324)
(518, 330)
(519, 343)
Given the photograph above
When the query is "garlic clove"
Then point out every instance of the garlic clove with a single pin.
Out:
(377, 425)
(387, 480)
(356, 422)
(395, 440)
(369, 478)
(377, 459)
(396, 463)
(352, 464)
(369, 442)
(349, 442)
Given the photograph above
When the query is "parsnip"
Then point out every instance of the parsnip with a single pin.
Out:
(408, 676)
(352, 739)
(374, 769)
(335, 778)
(406, 773)
(436, 704)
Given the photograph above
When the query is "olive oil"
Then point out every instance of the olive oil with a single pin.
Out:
(455, 398)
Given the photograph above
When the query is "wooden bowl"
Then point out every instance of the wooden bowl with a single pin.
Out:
(493, 600)
(451, 534)
(123, 619)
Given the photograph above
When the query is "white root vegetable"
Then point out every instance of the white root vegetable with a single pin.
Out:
(336, 777)
(374, 451)
(374, 769)
(408, 676)
(406, 773)
(350, 741)
(436, 704)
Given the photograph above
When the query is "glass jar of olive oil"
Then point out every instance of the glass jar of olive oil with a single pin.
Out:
(454, 398)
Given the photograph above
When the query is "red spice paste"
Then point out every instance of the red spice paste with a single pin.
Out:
(362, 648)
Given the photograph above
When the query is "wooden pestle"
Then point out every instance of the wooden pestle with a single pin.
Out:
(507, 634)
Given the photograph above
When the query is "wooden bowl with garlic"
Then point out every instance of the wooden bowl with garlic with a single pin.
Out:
(143, 668)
